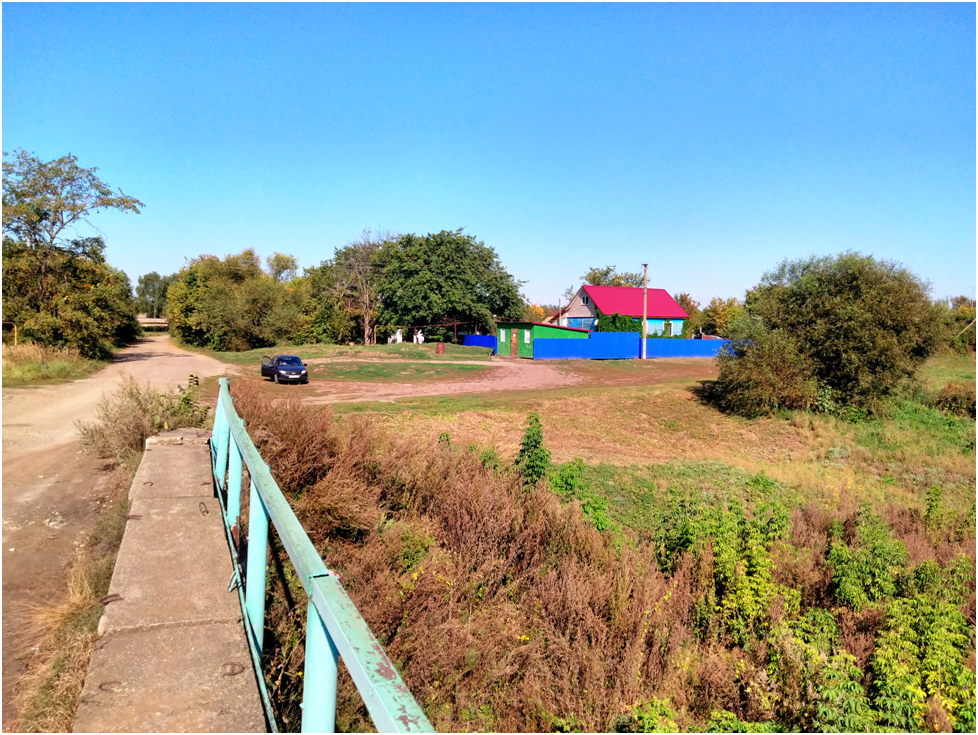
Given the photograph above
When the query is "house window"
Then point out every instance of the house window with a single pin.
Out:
(585, 300)
(667, 328)
(502, 335)
(526, 336)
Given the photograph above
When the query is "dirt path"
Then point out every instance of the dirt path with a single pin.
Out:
(52, 493)
(506, 375)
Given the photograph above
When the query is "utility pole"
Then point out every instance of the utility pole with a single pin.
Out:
(645, 306)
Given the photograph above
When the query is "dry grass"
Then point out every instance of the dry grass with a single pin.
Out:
(133, 413)
(58, 636)
(506, 610)
(27, 364)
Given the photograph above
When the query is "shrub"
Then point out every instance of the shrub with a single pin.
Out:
(863, 326)
(759, 375)
(957, 399)
(134, 412)
(865, 569)
(617, 323)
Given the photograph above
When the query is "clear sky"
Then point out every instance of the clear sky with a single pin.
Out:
(711, 141)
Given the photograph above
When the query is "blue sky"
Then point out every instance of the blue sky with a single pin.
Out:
(711, 141)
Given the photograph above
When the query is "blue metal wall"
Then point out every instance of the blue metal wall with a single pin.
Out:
(683, 347)
(480, 340)
(622, 346)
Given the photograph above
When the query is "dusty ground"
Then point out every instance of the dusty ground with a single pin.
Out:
(506, 375)
(52, 493)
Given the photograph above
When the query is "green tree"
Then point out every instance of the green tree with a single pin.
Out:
(58, 289)
(151, 293)
(865, 325)
(232, 304)
(282, 267)
(44, 201)
(446, 277)
(608, 276)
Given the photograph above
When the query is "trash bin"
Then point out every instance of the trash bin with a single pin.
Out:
(440, 348)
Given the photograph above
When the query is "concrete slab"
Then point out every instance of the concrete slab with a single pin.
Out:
(174, 471)
(141, 682)
(180, 436)
(173, 567)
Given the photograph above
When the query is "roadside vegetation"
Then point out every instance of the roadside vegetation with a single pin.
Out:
(802, 571)
(59, 635)
(136, 411)
(27, 364)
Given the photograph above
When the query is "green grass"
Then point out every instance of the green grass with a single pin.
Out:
(393, 372)
(403, 351)
(635, 494)
(937, 371)
(29, 364)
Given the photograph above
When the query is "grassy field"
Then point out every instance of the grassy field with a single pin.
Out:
(394, 372)
(676, 569)
(30, 364)
(403, 351)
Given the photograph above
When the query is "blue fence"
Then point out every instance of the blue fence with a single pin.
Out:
(334, 627)
(479, 340)
(683, 347)
(622, 346)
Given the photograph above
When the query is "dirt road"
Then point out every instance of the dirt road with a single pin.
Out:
(52, 493)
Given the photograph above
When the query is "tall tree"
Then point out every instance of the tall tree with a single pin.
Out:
(446, 277)
(151, 293)
(608, 276)
(282, 267)
(356, 268)
(43, 201)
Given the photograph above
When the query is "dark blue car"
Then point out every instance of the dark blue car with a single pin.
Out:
(284, 369)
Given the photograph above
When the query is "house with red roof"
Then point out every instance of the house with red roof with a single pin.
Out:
(664, 316)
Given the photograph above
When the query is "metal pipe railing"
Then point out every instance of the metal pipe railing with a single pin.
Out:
(334, 627)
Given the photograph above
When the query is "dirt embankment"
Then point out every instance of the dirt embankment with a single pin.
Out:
(52, 492)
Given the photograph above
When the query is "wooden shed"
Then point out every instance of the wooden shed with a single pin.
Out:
(515, 339)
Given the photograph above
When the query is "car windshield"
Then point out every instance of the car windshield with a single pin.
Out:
(290, 360)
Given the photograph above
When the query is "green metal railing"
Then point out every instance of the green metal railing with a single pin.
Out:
(334, 627)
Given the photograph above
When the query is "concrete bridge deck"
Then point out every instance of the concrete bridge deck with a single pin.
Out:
(171, 654)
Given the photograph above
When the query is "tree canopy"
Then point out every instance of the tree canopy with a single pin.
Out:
(57, 286)
(445, 277)
(851, 325)
(232, 304)
(609, 276)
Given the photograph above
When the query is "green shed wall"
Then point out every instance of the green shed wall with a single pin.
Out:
(536, 330)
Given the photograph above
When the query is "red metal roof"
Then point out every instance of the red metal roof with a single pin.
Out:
(628, 301)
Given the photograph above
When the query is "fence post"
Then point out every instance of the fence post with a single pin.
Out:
(234, 492)
(222, 430)
(320, 671)
(257, 560)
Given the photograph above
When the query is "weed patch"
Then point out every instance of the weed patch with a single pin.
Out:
(28, 364)
(60, 634)
(125, 419)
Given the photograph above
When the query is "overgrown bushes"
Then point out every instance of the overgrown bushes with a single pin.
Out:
(506, 608)
(852, 325)
(134, 412)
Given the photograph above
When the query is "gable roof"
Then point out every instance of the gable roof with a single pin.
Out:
(628, 301)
